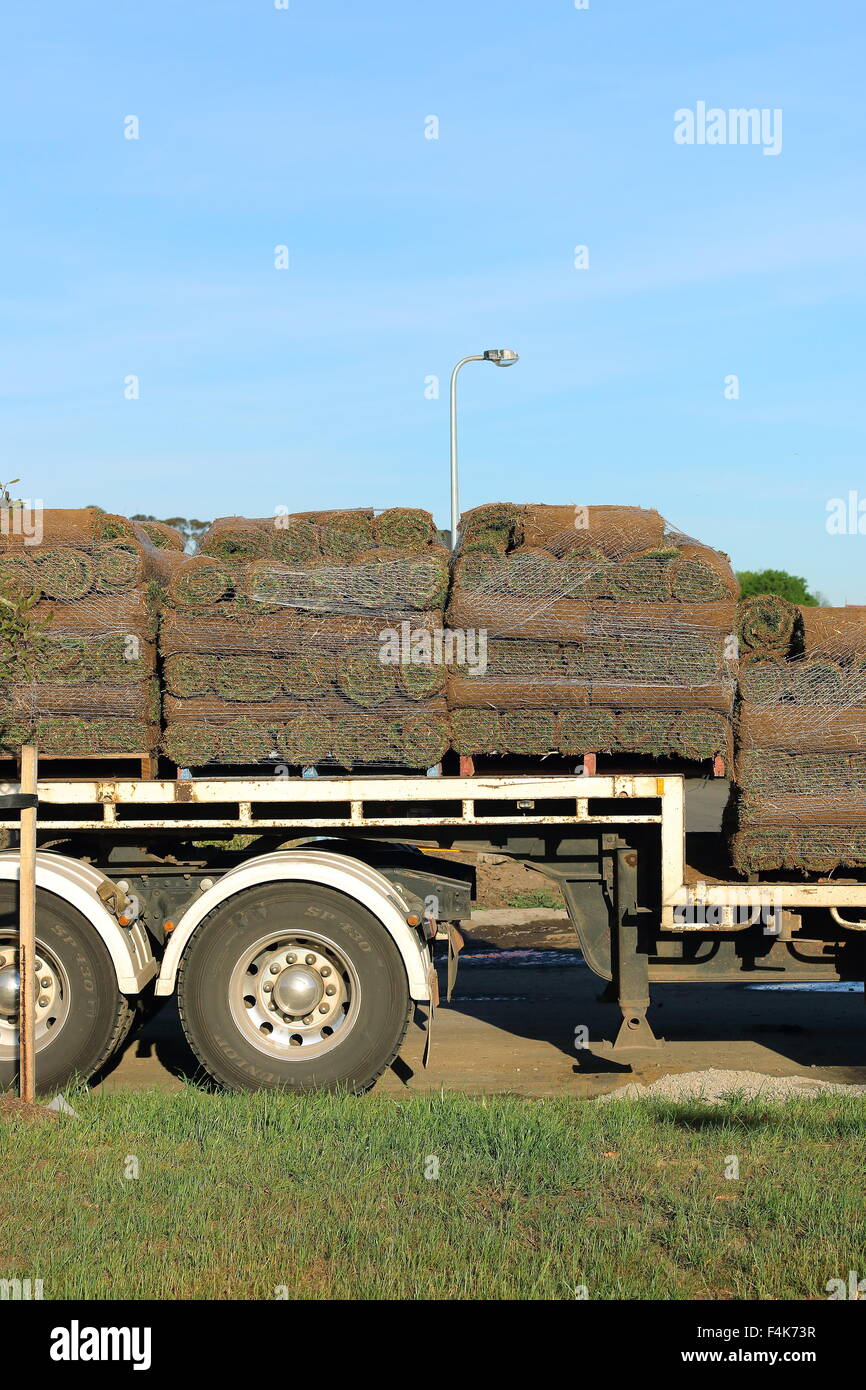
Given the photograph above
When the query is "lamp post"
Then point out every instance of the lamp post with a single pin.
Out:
(502, 357)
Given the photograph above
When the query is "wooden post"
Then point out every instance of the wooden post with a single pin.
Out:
(27, 929)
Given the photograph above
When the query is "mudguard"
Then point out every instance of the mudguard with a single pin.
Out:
(350, 876)
(77, 884)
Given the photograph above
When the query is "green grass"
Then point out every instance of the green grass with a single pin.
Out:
(540, 897)
(238, 1195)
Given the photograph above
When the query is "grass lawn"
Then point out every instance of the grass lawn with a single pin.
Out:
(539, 898)
(238, 1196)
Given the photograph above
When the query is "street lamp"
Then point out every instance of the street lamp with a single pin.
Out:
(502, 357)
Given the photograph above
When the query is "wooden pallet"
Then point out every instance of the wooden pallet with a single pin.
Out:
(148, 762)
(590, 765)
(467, 765)
(149, 766)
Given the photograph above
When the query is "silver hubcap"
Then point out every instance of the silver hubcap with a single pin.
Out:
(294, 996)
(10, 987)
(52, 997)
(298, 990)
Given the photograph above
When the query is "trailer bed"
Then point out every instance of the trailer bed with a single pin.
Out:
(340, 803)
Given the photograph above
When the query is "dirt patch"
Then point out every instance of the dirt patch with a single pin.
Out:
(512, 929)
(714, 1086)
(13, 1109)
(500, 879)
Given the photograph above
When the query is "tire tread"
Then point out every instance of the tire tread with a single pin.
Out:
(189, 1032)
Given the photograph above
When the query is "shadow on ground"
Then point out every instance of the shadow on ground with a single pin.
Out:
(512, 1026)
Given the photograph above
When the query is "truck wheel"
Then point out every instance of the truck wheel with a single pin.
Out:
(81, 1017)
(293, 986)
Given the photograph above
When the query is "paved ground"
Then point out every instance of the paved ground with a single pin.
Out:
(511, 1028)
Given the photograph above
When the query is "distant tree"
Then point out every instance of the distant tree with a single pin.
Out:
(189, 526)
(789, 586)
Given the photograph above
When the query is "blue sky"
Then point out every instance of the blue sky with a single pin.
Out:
(262, 388)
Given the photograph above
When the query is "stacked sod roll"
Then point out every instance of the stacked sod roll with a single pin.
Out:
(606, 632)
(319, 640)
(291, 639)
(78, 622)
(799, 799)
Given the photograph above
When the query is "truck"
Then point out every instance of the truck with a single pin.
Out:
(294, 919)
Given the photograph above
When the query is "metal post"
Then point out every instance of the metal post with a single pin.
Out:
(27, 928)
(455, 503)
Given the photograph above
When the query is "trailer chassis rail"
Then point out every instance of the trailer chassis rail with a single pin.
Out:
(197, 806)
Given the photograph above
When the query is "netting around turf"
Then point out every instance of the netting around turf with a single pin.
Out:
(799, 795)
(347, 640)
(286, 640)
(78, 624)
(607, 631)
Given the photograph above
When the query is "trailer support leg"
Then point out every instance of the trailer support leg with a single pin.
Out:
(630, 967)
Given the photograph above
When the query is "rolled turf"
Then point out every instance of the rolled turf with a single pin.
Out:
(63, 573)
(404, 528)
(200, 582)
(305, 740)
(769, 627)
(247, 679)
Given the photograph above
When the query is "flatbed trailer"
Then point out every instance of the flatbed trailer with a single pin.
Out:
(295, 918)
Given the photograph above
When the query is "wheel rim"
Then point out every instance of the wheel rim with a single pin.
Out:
(52, 997)
(294, 995)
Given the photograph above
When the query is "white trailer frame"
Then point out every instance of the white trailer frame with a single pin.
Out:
(358, 802)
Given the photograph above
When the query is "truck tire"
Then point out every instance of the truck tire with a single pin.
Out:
(81, 1016)
(295, 987)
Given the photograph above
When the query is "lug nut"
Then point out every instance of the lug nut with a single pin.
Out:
(291, 959)
(275, 969)
(46, 983)
(323, 1008)
(331, 989)
(309, 1018)
(310, 958)
(268, 986)
(43, 1003)
(325, 971)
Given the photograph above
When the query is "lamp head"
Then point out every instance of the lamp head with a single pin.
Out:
(503, 357)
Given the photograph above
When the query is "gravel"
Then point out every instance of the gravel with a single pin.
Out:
(714, 1086)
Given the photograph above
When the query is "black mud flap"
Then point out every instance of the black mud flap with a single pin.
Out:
(428, 1036)
(455, 946)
